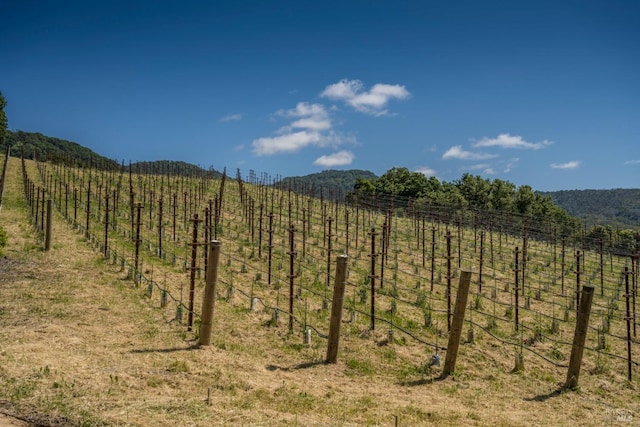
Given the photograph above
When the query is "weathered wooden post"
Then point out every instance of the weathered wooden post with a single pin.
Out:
(457, 323)
(209, 299)
(336, 309)
(582, 323)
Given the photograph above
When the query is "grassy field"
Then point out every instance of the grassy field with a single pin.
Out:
(81, 344)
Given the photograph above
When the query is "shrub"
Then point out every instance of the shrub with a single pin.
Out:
(3, 239)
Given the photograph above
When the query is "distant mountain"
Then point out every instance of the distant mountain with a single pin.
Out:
(53, 149)
(333, 183)
(618, 208)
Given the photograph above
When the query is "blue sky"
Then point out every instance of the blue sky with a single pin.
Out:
(542, 93)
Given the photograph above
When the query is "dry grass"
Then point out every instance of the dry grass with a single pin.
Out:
(79, 345)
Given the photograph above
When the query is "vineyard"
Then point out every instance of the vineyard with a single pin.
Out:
(279, 261)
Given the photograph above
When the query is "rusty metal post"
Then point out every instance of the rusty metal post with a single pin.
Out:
(137, 244)
(47, 238)
(192, 275)
(106, 225)
(270, 249)
(372, 277)
(628, 318)
(260, 219)
(433, 254)
(329, 239)
(481, 261)
(562, 263)
(292, 257)
(449, 277)
(86, 231)
(75, 205)
(160, 225)
(516, 287)
(578, 256)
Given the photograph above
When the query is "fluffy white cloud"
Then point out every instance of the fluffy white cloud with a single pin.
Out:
(341, 158)
(311, 127)
(344, 89)
(287, 143)
(426, 171)
(371, 102)
(292, 142)
(569, 165)
(505, 140)
(231, 118)
(632, 162)
(313, 117)
(456, 152)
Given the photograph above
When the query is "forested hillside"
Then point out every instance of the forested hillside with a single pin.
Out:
(51, 148)
(338, 183)
(617, 207)
(171, 167)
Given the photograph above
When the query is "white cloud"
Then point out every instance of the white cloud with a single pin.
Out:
(371, 102)
(344, 89)
(340, 158)
(456, 152)
(304, 109)
(231, 118)
(505, 140)
(310, 116)
(311, 127)
(287, 143)
(566, 166)
(426, 171)
(632, 162)
(292, 142)
(310, 123)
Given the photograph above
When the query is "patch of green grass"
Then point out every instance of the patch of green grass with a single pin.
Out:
(357, 367)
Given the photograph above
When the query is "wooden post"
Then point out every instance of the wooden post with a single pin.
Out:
(582, 323)
(47, 236)
(456, 326)
(209, 300)
(336, 309)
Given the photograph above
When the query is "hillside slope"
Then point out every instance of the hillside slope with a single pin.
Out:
(82, 344)
(334, 183)
(617, 207)
(52, 148)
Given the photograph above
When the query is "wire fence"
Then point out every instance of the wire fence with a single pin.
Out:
(279, 249)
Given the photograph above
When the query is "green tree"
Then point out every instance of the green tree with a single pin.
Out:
(3, 119)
